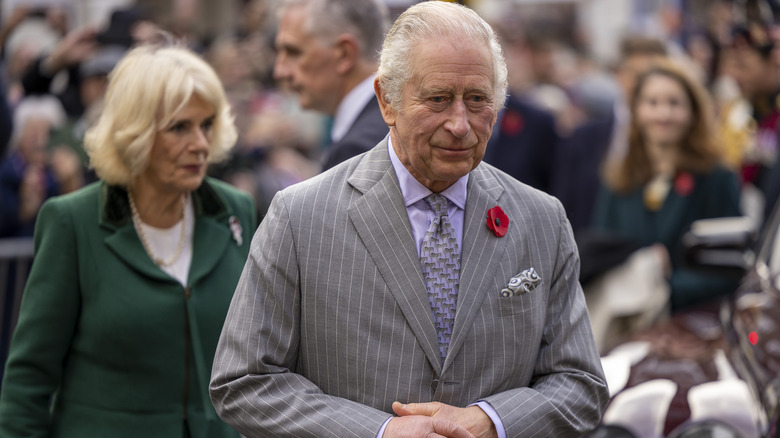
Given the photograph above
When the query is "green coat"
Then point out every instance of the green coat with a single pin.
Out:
(123, 348)
(711, 195)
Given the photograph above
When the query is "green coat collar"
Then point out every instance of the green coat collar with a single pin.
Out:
(115, 206)
(211, 236)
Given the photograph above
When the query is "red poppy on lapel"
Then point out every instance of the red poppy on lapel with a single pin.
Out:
(497, 221)
(684, 183)
(512, 123)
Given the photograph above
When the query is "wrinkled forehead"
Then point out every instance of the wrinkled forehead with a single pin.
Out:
(451, 57)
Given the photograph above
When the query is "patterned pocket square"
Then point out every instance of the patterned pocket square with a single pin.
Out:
(521, 283)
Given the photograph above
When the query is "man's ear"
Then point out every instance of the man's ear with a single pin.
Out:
(347, 53)
(388, 112)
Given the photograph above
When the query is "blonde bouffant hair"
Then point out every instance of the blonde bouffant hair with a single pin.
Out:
(146, 90)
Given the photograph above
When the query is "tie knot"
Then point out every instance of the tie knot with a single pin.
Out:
(438, 204)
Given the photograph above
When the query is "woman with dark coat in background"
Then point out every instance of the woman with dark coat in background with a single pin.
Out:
(671, 175)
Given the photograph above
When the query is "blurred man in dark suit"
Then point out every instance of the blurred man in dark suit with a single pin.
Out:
(328, 54)
(524, 143)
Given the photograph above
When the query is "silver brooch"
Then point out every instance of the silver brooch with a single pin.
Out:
(235, 228)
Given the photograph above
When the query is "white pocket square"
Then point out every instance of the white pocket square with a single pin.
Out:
(521, 283)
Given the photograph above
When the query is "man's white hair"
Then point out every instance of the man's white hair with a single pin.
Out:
(430, 20)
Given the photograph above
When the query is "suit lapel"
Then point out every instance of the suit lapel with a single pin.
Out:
(480, 257)
(382, 224)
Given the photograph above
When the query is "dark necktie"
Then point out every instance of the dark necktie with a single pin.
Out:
(440, 260)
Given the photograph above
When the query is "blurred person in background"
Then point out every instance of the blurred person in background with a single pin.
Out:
(752, 127)
(68, 140)
(601, 136)
(25, 35)
(6, 120)
(637, 54)
(232, 66)
(255, 34)
(278, 144)
(706, 38)
(671, 175)
(29, 174)
(126, 27)
(524, 141)
(327, 52)
(602, 131)
(133, 275)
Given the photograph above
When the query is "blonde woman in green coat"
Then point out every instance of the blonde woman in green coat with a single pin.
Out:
(133, 275)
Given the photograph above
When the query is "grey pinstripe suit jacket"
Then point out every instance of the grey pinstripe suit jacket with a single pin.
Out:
(331, 323)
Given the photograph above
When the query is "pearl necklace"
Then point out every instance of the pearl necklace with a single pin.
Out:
(144, 240)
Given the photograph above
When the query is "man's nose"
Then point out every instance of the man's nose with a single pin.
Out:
(281, 67)
(458, 120)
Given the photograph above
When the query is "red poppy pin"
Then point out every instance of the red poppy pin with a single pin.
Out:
(497, 221)
(512, 124)
(683, 184)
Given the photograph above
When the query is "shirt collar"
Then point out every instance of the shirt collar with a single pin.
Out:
(350, 107)
(413, 190)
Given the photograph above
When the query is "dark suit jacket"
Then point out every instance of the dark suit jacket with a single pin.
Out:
(6, 121)
(124, 349)
(368, 130)
(523, 144)
(576, 175)
(331, 321)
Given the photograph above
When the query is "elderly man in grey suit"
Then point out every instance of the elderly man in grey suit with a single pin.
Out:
(414, 291)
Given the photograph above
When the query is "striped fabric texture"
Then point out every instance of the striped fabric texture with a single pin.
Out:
(331, 322)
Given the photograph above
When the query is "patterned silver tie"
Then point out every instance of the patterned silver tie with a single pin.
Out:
(440, 260)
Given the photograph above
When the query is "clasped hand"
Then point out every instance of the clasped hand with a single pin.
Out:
(435, 420)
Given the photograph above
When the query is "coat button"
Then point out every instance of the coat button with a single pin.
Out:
(435, 384)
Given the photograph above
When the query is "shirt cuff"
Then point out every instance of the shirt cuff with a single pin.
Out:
(485, 406)
(382, 430)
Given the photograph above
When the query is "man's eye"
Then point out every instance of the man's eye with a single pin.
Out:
(438, 99)
(290, 52)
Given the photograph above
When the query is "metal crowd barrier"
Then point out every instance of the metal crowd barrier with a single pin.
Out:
(16, 256)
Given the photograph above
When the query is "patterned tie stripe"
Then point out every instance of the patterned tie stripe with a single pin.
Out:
(440, 261)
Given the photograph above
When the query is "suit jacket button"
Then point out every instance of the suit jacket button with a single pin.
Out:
(435, 384)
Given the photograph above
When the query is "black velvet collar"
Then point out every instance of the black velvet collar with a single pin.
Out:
(116, 206)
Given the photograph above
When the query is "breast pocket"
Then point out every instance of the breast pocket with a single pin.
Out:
(518, 304)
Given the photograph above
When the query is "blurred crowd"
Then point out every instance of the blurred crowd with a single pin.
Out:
(54, 76)
(675, 118)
